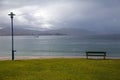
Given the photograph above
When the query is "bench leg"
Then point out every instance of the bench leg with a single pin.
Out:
(104, 57)
(87, 57)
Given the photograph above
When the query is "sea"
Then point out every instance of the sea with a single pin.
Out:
(57, 45)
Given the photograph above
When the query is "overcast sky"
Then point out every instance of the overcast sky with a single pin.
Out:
(94, 15)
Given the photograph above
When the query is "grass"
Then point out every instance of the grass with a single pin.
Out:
(60, 69)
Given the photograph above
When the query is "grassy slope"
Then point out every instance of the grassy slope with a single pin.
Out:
(60, 69)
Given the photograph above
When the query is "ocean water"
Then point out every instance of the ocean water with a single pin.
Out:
(57, 46)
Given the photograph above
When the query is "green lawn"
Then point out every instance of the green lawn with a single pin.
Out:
(60, 69)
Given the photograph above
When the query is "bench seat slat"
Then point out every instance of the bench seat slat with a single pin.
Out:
(96, 52)
(96, 55)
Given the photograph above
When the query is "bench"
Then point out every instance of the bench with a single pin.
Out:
(95, 53)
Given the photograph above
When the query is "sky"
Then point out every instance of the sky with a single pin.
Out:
(94, 15)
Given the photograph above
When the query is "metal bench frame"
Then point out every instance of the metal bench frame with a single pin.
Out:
(95, 53)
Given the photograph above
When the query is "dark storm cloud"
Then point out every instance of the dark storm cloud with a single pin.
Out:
(96, 15)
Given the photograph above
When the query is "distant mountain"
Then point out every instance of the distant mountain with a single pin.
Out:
(17, 31)
(74, 31)
(21, 32)
(59, 32)
(66, 31)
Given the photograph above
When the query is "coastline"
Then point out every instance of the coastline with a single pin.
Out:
(50, 57)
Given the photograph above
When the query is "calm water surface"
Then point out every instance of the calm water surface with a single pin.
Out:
(57, 46)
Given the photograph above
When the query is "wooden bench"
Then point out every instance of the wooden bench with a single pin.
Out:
(95, 53)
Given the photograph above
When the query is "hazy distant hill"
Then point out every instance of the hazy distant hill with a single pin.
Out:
(65, 31)
(74, 31)
(21, 31)
(17, 31)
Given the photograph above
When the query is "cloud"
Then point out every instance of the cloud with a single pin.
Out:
(99, 15)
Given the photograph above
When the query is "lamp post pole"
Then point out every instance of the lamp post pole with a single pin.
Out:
(11, 16)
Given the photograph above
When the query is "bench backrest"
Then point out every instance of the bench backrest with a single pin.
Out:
(95, 53)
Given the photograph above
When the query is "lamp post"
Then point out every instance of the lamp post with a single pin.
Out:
(11, 16)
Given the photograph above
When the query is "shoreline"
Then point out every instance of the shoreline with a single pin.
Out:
(50, 57)
(37, 57)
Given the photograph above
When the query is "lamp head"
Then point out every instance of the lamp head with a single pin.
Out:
(11, 14)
